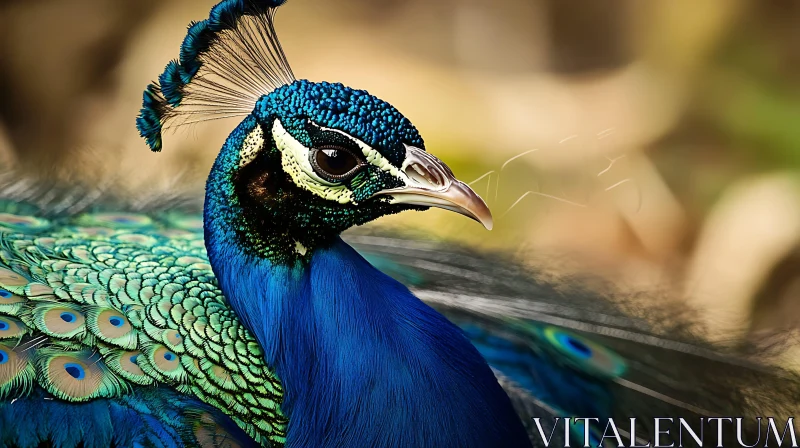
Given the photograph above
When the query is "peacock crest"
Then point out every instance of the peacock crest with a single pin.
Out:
(227, 62)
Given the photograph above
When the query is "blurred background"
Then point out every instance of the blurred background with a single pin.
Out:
(655, 143)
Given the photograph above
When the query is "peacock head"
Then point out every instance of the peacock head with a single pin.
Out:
(311, 159)
(323, 157)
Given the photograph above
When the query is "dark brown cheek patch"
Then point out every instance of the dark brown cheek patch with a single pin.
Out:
(260, 187)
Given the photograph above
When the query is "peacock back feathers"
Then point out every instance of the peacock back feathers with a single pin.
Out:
(98, 305)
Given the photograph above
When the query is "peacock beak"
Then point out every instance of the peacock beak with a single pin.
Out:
(431, 183)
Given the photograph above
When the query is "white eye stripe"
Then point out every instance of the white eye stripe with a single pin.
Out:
(295, 162)
(291, 148)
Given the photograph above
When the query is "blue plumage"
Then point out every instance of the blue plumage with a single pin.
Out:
(147, 418)
(351, 344)
(361, 359)
(225, 14)
(541, 372)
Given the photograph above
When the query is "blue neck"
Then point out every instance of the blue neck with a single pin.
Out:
(363, 362)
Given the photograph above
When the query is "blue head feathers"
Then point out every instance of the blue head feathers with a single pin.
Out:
(361, 115)
(205, 82)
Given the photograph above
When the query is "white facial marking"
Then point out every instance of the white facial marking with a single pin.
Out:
(253, 144)
(299, 248)
(294, 158)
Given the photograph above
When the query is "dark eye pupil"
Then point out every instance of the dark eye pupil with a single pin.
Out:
(335, 162)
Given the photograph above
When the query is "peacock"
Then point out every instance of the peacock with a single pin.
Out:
(256, 323)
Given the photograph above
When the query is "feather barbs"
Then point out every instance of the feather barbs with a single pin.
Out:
(10, 279)
(210, 434)
(163, 364)
(115, 220)
(127, 365)
(16, 372)
(11, 303)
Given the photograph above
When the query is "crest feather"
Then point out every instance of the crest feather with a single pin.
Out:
(226, 63)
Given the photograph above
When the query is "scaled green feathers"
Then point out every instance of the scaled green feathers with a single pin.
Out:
(94, 305)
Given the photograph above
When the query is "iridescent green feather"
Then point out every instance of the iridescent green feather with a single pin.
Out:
(17, 374)
(11, 328)
(59, 320)
(103, 302)
(76, 376)
(126, 365)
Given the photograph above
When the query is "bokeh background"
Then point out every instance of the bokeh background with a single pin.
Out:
(656, 143)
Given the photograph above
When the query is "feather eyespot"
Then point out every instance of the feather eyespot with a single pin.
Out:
(114, 327)
(585, 354)
(11, 278)
(3, 357)
(576, 346)
(166, 361)
(9, 298)
(75, 371)
(116, 321)
(172, 338)
(11, 328)
(129, 367)
(63, 322)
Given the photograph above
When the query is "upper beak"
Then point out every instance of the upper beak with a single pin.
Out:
(431, 183)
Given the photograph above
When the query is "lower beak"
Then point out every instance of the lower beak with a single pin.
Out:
(431, 183)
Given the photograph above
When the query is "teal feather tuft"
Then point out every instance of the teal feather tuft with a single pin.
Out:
(151, 117)
(172, 83)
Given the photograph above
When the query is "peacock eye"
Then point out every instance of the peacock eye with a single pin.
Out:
(334, 164)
